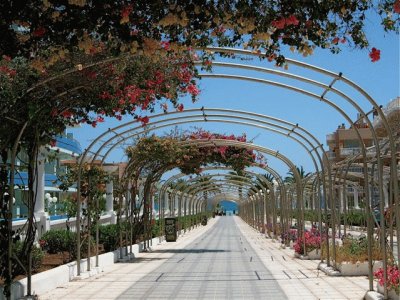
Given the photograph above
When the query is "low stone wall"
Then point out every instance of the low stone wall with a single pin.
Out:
(51, 279)
(349, 269)
(312, 255)
(357, 269)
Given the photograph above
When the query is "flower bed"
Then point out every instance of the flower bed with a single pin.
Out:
(312, 255)
(393, 281)
(312, 241)
(352, 256)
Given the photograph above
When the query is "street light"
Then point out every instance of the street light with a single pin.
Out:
(53, 200)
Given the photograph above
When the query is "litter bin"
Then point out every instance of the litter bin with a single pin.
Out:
(170, 229)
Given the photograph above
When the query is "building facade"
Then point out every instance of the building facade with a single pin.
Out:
(49, 167)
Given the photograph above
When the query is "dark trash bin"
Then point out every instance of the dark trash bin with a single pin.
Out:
(171, 229)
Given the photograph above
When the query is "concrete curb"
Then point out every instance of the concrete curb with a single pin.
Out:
(330, 271)
(372, 295)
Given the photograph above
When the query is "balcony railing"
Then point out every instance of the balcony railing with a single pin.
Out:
(350, 151)
(331, 155)
(68, 144)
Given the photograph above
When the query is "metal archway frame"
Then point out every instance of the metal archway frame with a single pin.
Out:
(395, 186)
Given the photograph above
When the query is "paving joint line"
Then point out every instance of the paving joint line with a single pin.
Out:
(286, 274)
(305, 275)
(158, 278)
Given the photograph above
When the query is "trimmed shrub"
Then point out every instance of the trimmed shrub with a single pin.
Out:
(109, 236)
(37, 258)
(59, 240)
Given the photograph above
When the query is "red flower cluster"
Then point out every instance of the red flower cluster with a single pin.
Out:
(39, 32)
(42, 244)
(177, 75)
(143, 120)
(396, 6)
(312, 241)
(8, 71)
(375, 54)
(283, 22)
(393, 277)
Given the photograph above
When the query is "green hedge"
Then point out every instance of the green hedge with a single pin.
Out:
(353, 217)
(61, 240)
(37, 258)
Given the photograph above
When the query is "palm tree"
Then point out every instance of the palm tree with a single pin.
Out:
(291, 178)
(260, 184)
(239, 177)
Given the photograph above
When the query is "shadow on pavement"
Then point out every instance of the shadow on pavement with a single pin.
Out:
(190, 251)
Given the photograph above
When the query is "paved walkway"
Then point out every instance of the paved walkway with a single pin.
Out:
(226, 259)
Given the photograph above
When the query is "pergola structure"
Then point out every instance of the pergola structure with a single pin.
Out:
(259, 207)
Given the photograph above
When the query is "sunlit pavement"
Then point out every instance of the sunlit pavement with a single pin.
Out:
(227, 259)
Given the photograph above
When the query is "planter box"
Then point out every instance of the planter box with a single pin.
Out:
(357, 269)
(53, 278)
(312, 255)
(391, 293)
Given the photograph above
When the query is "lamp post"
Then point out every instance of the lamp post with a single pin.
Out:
(53, 200)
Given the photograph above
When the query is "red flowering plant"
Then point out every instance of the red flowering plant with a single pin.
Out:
(42, 244)
(393, 278)
(40, 97)
(135, 26)
(312, 240)
(173, 151)
(236, 157)
(152, 156)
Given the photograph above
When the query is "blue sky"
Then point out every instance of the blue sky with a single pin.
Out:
(380, 79)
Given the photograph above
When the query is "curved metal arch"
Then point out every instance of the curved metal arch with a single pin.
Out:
(393, 163)
(336, 77)
(262, 178)
(341, 111)
(292, 130)
(289, 130)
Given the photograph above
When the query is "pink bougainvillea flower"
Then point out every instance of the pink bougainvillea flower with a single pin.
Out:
(99, 119)
(39, 32)
(143, 120)
(165, 45)
(53, 143)
(396, 6)
(180, 107)
(283, 22)
(125, 12)
(279, 24)
(292, 20)
(193, 90)
(375, 54)
(66, 114)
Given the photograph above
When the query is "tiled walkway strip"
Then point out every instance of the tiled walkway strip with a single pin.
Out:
(226, 259)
